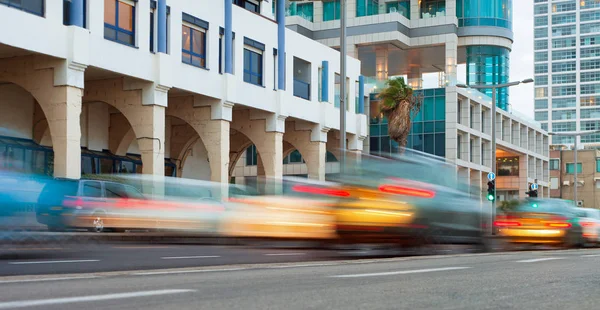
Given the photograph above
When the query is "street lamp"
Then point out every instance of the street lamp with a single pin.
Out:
(494, 87)
(576, 135)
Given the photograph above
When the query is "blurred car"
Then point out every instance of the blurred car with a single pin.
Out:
(286, 216)
(542, 221)
(413, 199)
(589, 220)
(18, 197)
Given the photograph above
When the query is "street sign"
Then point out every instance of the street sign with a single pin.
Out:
(491, 176)
(534, 186)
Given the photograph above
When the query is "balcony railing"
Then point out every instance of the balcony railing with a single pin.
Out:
(302, 89)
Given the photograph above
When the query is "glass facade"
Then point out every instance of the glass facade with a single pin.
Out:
(302, 9)
(496, 13)
(428, 131)
(331, 10)
(367, 7)
(488, 65)
(402, 7)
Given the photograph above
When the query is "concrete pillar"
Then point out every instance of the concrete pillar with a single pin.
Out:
(523, 174)
(217, 131)
(414, 9)
(311, 141)
(318, 12)
(415, 78)
(381, 64)
(63, 119)
(452, 147)
(150, 132)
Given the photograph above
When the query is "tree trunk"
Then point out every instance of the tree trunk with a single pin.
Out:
(399, 123)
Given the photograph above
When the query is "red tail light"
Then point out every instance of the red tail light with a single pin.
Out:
(506, 224)
(320, 191)
(558, 222)
(588, 224)
(73, 202)
(408, 191)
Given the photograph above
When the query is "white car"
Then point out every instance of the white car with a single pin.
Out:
(589, 219)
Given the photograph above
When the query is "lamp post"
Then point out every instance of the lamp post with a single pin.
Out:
(576, 135)
(494, 87)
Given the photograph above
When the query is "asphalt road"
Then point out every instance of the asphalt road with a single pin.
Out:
(517, 280)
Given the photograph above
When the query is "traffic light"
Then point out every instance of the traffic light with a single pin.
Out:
(491, 196)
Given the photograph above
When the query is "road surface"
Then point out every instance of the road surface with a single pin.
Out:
(516, 280)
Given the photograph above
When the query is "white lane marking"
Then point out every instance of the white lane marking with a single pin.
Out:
(68, 300)
(591, 255)
(47, 279)
(393, 273)
(55, 262)
(535, 260)
(284, 254)
(152, 273)
(190, 257)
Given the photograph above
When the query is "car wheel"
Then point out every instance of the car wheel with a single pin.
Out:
(98, 223)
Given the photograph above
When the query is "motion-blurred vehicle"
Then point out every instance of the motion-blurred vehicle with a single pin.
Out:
(286, 216)
(589, 219)
(542, 221)
(409, 200)
(18, 196)
(175, 204)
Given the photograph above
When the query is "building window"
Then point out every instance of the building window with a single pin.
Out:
(119, 21)
(571, 169)
(507, 166)
(250, 5)
(30, 6)
(67, 12)
(564, 42)
(193, 51)
(330, 158)
(302, 9)
(554, 164)
(367, 7)
(251, 156)
(553, 183)
(433, 8)
(293, 158)
(154, 26)
(331, 10)
(597, 164)
(253, 62)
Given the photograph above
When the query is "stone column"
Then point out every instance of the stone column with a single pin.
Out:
(217, 133)
(63, 119)
(452, 148)
(150, 130)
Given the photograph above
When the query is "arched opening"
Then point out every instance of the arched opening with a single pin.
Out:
(185, 147)
(22, 126)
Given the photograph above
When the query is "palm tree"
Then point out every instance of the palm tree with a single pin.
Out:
(399, 104)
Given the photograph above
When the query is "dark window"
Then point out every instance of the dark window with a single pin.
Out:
(193, 46)
(295, 157)
(31, 6)
(119, 21)
(253, 67)
(507, 166)
(152, 49)
(252, 6)
(92, 189)
(251, 159)
(115, 190)
(330, 158)
(220, 54)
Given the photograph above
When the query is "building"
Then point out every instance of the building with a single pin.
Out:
(567, 67)
(182, 88)
(562, 173)
(414, 38)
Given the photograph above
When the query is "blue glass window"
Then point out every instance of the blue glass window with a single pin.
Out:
(331, 10)
(489, 65)
(30, 6)
(496, 13)
(367, 7)
(250, 5)
(67, 12)
(433, 8)
(302, 9)
(119, 22)
(193, 49)
(402, 7)
(253, 67)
